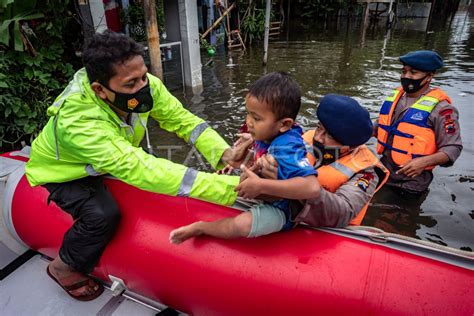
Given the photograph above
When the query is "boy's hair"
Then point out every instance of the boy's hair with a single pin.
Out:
(280, 91)
(103, 51)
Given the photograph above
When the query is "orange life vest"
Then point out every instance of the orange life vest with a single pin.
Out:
(334, 175)
(412, 137)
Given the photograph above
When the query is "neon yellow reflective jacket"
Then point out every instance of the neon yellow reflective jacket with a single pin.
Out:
(85, 137)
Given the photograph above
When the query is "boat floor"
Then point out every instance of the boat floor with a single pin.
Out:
(29, 291)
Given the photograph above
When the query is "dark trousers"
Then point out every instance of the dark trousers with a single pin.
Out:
(96, 217)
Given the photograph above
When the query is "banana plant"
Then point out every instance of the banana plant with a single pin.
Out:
(12, 13)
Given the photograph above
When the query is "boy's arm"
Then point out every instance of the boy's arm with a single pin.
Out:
(298, 188)
(339, 208)
(296, 177)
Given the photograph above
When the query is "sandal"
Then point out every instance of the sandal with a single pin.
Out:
(78, 285)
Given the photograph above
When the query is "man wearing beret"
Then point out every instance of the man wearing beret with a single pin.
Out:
(349, 173)
(418, 126)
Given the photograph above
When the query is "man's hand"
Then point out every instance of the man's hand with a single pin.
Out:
(237, 155)
(413, 168)
(228, 169)
(268, 167)
(251, 186)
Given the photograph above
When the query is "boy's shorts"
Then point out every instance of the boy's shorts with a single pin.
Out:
(266, 219)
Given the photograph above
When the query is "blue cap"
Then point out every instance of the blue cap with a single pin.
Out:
(345, 120)
(424, 60)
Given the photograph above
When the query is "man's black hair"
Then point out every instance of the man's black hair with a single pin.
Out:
(280, 91)
(103, 51)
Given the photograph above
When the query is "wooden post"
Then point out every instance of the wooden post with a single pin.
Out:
(365, 23)
(430, 17)
(211, 15)
(267, 31)
(87, 21)
(390, 14)
(288, 22)
(153, 38)
(366, 14)
(228, 19)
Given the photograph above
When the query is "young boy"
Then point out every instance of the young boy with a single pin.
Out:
(272, 105)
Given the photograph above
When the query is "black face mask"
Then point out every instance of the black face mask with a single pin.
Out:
(138, 102)
(325, 155)
(413, 85)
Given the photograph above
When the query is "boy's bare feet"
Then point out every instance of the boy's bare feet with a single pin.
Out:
(183, 233)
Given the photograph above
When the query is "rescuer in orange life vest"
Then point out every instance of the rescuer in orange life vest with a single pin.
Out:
(418, 126)
(349, 173)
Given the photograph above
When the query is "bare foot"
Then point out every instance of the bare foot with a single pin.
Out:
(183, 233)
(67, 276)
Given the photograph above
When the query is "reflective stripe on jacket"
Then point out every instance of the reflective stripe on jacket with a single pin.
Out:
(85, 137)
(412, 137)
(334, 175)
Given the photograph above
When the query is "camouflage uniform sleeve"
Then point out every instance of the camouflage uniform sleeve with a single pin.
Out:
(445, 123)
(339, 208)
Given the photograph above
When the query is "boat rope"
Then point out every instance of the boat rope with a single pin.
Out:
(380, 235)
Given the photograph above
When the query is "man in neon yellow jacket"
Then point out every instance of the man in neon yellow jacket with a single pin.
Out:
(95, 128)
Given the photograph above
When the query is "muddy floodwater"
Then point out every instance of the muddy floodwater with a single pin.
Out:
(340, 58)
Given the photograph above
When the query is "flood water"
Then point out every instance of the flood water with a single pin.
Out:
(337, 58)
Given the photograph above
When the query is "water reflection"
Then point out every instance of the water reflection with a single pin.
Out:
(397, 211)
(334, 59)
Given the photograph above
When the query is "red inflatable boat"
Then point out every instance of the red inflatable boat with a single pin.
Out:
(301, 272)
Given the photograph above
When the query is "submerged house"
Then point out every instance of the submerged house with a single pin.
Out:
(179, 41)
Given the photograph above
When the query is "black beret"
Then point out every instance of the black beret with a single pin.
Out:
(345, 120)
(424, 60)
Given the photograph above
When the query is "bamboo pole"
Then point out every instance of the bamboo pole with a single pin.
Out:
(153, 37)
(228, 19)
(267, 31)
(390, 14)
(218, 20)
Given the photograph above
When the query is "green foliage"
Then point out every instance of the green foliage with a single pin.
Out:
(204, 43)
(253, 19)
(314, 8)
(160, 16)
(134, 17)
(11, 13)
(30, 80)
(253, 25)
